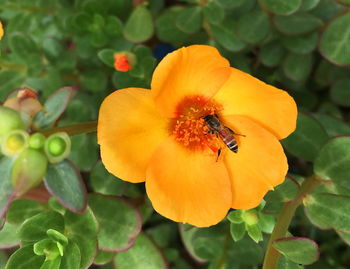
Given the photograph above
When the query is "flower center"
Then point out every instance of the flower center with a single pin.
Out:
(189, 127)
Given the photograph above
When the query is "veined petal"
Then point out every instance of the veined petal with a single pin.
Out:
(245, 95)
(129, 130)
(258, 166)
(188, 186)
(189, 71)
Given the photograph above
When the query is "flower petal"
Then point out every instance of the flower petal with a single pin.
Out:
(259, 165)
(129, 130)
(186, 186)
(189, 71)
(245, 95)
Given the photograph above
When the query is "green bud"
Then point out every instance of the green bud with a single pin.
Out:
(14, 142)
(57, 236)
(57, 147)
(37, 141)
(48, 248)
(250, 217)
(28, 170)
(9, 120)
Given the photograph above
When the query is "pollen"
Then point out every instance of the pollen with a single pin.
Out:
(189, 127)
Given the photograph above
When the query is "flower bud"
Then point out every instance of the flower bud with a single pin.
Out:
(250, 217)
(37, 141)
(123, 61)
(9, 120)
(57, 147)
(26, 101)
(14, 142)
(28, 170)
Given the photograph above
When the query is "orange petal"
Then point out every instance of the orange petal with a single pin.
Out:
(129, 130)
(259, 165)
(245, 95)
(187, 186)
(189, 71)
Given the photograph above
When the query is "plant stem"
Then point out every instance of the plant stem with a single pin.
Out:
(284, 219)
(79, 128)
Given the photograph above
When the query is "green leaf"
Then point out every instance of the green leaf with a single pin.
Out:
(24, 258)
(213, 12)
(345, 2)
(298, 67)
(296, 24)
(307, 5)
(332, 125)
(189, 20)
(284, 263)
(143, 255)
(82, 229)
(227, 37)
(35, 228)
(230, 4)
(330, 210)
(245, 252)
(301, 44)
(340, 92)
(107, 56)
(104, 182)
(297, 249)
(166, 28)
(64, 182)
(139, 26)
(344, 236)
(119, 222)
(6, 189)
(114, 26)
(10, 79)
(253, 26)
(54, 106)
(51, 264)
(335, 39)
(162, 234)
(187, 233)
(282, 7)
(8, 236)
(104, 257)
(266, 222)
(271, 54)
(22, 45)
(307, 139)
(254, 232)
(333, 160)
(22, 209)
(94, 80)
(237, 231)
(84, 153)
(72, 256)
(235, 216)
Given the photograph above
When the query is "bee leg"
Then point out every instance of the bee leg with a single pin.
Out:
(217, 157)
(235, 133)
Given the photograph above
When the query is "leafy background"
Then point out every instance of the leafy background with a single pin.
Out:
(302, 46)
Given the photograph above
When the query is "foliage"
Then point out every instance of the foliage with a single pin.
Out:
(65, 51)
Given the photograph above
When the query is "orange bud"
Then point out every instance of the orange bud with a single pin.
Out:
(122, 62)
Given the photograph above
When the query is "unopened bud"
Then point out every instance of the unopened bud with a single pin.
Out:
(28, 170)
(250, 217)
(14, 142)
(124, 61)
(1, 31)
(37, 141)
(57, 147)
(9, 120)
(26, 101)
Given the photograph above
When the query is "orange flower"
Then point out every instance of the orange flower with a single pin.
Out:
(160, 136)
(1, 31)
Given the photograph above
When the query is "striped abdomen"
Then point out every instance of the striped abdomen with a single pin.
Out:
(227, 136)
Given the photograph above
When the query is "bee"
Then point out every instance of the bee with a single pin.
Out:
(223, 132)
